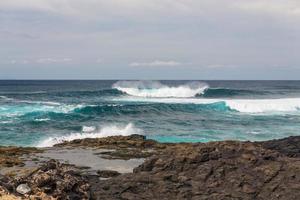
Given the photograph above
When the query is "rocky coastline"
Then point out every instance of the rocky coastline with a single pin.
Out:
(133, 167)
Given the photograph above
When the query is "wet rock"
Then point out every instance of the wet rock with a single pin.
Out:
(23, 189)
(107, 173)
(10, 156)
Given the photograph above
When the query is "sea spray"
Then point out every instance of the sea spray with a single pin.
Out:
(105, 131)
(159, 90)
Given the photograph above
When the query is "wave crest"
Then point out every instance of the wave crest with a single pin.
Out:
(156, 89)
(110, 130)
(240, 105)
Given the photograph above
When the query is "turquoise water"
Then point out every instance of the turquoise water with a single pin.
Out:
(43, 113)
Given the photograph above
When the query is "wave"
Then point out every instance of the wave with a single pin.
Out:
(240, 105)
(159, 90)
(23, 93)
(88, 129)
(28, 109)
(84, 93)
(227, 92)
(42, 119)
(150, 108)
(5, 98)
(110, 130)
(52, 103)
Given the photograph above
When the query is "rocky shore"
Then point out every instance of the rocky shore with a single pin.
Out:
(132, 167)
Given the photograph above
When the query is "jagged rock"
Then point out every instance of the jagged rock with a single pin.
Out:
(23, 189)
(52, 181)
(216, 170)
(59, 181)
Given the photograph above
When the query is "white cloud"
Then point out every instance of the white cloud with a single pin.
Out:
(156, 63)
(15, 62)
(38, 61)
(53, 60)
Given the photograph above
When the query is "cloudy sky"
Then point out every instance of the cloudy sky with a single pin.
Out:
(149, 39)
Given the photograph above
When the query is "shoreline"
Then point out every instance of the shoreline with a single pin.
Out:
(133, 167)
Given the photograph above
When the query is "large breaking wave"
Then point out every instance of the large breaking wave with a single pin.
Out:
(156, 89)
(159, 90)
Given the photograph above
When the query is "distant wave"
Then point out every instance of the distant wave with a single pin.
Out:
(157, 106)
(5, 98)
(153, 108)
(105, 131)
(104, 92)
(227, 92)
(28, 109)
(155, 89)
(240, 105)
(23, 93)
(29, 101)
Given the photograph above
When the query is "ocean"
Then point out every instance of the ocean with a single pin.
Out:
(44, 113)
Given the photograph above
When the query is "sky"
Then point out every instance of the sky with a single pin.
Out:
(150, 39)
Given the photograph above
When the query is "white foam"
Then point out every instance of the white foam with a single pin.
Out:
(159, 90)
(88, 129)
(265, 105)
(6, 98)
(19, 110)
(51, 103)
(42, 120)
(241, 105)
(110, 130)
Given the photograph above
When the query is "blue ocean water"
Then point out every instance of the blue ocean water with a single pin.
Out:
(43, 113)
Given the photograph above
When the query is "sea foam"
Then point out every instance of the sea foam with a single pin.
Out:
(105, 131)
(240, 105)
(159, 90)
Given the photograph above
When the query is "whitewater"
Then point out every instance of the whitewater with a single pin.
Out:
(156, 92)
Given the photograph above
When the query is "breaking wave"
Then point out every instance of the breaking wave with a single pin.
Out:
(155, 89)
(240, 105)
(91, 132)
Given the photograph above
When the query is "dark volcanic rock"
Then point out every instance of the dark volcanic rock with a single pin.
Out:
(289, 146)
(217, 170)
(52, 181)
(107, 173)
(124, 147)
(10, 156)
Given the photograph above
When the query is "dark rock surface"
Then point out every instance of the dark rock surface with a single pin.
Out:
(217, 170)
(10, 156)
(288, 146)
(107, 173)
(51, 181)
